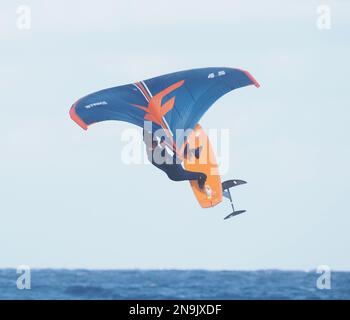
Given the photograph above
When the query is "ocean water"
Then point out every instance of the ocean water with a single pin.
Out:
(172, 284)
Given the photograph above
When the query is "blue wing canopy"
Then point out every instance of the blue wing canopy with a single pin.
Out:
(175, 101)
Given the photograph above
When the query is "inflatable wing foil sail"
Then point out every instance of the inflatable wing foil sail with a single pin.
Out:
(172, 101)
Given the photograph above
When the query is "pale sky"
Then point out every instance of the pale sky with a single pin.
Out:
(67, 199)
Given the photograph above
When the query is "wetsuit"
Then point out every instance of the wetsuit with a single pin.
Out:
(172, 166)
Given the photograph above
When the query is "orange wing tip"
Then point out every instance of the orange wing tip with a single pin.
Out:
(74, 116)
(251, 78)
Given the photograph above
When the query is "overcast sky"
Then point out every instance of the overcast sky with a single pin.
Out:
(68, 200)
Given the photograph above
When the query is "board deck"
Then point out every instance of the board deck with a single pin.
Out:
(211, 195)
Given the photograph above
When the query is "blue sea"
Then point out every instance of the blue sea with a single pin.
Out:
(172, 284)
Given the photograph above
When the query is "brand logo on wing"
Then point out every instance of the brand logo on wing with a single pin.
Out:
(155, 111)
(219, 74)
(95, 104)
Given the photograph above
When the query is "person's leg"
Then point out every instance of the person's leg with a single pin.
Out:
(176, 172)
